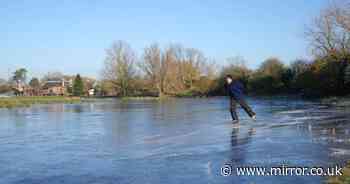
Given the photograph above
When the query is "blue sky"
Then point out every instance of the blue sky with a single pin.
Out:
(71, 36)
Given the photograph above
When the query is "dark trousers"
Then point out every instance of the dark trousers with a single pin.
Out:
(244, 105)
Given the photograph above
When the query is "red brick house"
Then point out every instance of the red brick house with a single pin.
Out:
(53, 88)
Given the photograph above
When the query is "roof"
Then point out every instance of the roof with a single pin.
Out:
(50, 84)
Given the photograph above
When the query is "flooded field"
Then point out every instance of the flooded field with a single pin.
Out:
(172, 141)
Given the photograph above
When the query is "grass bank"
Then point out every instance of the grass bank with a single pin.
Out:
(10, 102)
(344, 179)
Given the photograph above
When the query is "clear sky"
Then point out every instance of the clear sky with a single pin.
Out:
(71, 36)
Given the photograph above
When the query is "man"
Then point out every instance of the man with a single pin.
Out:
(235, 91)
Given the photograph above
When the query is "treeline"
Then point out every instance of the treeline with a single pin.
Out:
(181, 71)
(175, 71)
(325, 76)
(190, 73)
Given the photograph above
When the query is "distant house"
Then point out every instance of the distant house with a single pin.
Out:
(22, 89)
(30, 91)
(54, 88)
(91, 92)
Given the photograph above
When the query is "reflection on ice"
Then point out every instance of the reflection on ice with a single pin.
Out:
(338, 151)
(175, 141)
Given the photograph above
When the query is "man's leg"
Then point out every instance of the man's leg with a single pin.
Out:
(233, 111)
(246, 107)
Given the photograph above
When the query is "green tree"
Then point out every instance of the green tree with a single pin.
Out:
(20, 75)
(287, 78)
(262, 84)
(34, 83)
(330, 71)
(307, 84)
(268, 78)
(347, 74)
(78, 86)
(347, 78)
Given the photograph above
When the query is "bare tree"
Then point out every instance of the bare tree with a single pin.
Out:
(171, 74)
(237, 67)
(175, 69)
(119, 66)
(194, 60)
(330, 31)
(272, 66)
(187, 66)
(299, 66)
(210, 69)
(155, 67)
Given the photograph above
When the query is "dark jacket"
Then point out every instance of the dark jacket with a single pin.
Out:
(235, 89)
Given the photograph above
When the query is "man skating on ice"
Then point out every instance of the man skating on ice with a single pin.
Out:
(235, 91)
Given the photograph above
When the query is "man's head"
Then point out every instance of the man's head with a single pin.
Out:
(228, 79)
